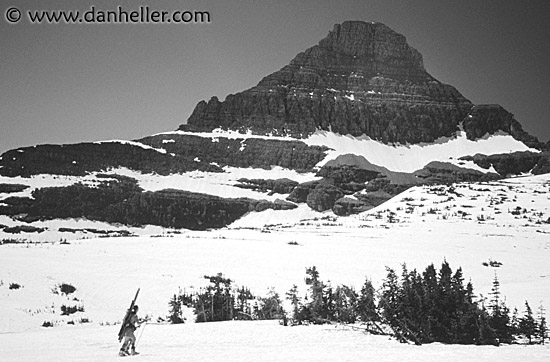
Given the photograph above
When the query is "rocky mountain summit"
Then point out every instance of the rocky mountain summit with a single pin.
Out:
(362, 79)
(346, 125)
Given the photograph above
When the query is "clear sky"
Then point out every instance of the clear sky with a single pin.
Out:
(69, 83)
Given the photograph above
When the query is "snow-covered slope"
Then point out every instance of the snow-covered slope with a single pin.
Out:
(398, 158)
(469, 225)
(245, 341)
(409, 158)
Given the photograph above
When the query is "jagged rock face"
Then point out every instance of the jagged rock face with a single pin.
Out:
(323, 197)
(183, 153)
(437, 172)
(301, 192)
(350, 178)
(543, 165)
(8, 188)
(515, 163)
(278, 186)
(79, 159)
(490, 118)
(363, 78)
(251, 152)
(347, 206)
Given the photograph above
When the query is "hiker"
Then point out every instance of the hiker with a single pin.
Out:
(129, 344)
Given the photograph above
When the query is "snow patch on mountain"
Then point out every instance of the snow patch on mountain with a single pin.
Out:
(133, 143)
(46, 180)
(409, 158)
(395, 157)
(220, 184)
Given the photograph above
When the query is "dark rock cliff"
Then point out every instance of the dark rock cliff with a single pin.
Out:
(79, 159)
(491, 118)
(363, 78)
(183, 153)
(123, 201)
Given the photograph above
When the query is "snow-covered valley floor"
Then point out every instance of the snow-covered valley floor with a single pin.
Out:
(245, 341)
(468, 225)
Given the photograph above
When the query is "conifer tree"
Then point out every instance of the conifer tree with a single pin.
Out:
(468, 318)
(175, 310)
(292, 296)
(499, 316)
(527, 324)
(270, 306)
(216, 303)
(486, 332)
(242, 307)
(345, 304)
(389, 298)
(366, 306)
(316, 292)
(542, 327)
(514, 322)
(495, 293)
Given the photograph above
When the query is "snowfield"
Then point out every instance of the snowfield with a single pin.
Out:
(245, 341)
(398, 157)
(469, 225)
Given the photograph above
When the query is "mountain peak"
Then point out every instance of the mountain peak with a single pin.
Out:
(363, 78)
(375, 48)
(361, 50)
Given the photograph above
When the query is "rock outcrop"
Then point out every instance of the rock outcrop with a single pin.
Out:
(79, 159)
(278, 186)
(154, 154)
(437, 172)
(516, 163)
(244, 152)
(486, 119)
(123, 201)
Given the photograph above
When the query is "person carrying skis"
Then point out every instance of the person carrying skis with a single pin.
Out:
(129, 344)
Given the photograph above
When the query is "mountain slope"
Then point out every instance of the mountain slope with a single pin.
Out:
(348, 124)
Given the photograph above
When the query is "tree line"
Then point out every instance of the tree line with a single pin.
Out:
(420, 307)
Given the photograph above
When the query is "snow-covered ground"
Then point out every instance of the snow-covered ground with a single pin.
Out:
(245, 341)
(468, 225)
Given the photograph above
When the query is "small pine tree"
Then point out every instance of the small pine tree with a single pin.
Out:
(389, 302)
(366, 307)
(270, 307)
(542, 327)
(486, 332)
(175, 310)
(345, 301)
(316, 287)
(292, 296)
(527, 324)
(514, 322)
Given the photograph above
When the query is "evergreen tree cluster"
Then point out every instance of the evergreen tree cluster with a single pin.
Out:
(432, 306)
(324, 303)
(221, 301)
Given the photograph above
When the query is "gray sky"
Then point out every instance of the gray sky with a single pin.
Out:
(71, 83)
